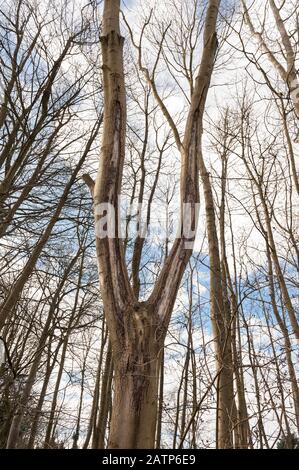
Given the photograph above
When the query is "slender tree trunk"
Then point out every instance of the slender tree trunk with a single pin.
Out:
(160, 405)
(254, 366)
(96, 394)
(17, 420)
(287, 342)
(35, 422)
(48, 437)
(220, 312)
(77, 431)
(98, 440)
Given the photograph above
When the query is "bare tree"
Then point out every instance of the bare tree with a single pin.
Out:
(137, 329)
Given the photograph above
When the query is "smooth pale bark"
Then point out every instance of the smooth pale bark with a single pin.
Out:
(291, 77)
(137, 329)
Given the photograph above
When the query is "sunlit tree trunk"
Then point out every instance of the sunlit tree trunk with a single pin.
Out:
(137, 329)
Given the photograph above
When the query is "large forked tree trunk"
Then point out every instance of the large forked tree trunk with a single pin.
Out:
(137, 329)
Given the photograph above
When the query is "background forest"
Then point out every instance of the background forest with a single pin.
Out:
(57, 377)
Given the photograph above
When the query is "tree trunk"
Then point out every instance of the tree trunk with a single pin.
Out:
(160, 405)
(98, 440)
(92, 425)
(137, 329)
(134, 410)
